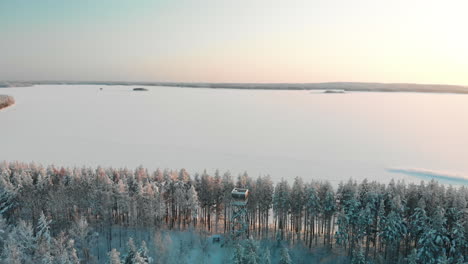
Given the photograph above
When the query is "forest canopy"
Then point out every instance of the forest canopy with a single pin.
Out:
(367, 221)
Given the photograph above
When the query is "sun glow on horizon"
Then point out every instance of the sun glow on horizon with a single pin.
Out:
(243, 41)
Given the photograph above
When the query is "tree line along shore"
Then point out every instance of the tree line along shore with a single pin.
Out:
(6, 100)
(366, 221)
(345, 86)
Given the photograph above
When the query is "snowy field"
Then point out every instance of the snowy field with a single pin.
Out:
(282, 133)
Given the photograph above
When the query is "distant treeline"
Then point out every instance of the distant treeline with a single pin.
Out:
(6, 100)
(346, 86)
(386, 223)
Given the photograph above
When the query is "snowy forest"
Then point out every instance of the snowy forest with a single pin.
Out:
(107, 215)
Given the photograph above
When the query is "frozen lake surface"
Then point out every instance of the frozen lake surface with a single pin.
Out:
(314, 135)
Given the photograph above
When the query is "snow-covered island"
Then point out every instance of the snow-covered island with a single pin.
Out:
(334, 91)
(6, 100)
(140, 89)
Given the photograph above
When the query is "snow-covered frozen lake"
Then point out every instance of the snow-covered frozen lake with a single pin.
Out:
(282, 133)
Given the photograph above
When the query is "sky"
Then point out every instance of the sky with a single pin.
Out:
(401, 41)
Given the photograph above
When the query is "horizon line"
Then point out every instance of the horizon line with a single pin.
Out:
(227, 83)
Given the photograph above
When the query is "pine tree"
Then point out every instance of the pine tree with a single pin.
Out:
(285, 258)
(217, 197)
(313, 209)
(64, 250)
(413, 257)
(394, 229)
(72, 255)
(328, 208)
(4, 231)
(83, 236)
(114, 257)
(21, 240)
(143, 252)
(442, 259)
(7, 197)
(12, 254)
(342, 234)
(192, 202)
(238, 256)
(43, 240)
(281, 206)
(43, 229)
(138, 259)
(266, 256)
(132, 252)
(47, 258)
(418, 222)
(458, 240)
(434, 239)
(358, 257)
(297, 204)
(250, 252)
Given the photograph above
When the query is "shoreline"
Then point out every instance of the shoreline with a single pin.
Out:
(344, 86)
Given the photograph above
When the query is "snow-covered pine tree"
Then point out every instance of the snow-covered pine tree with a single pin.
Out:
(83, 236)
(72, 254)
(131, 252)
(266, 257)
(114, 257)
(358, 257)
(418, 222)
(4, 231)
(285, 258)
(228, 185)
(265, 191)
(64, 250)
(342, 234)
(281, 206)
(21, 239)
(443, 259)
(458, 240)
(413, 257)
(434, 240)
(43, 229)
(217, 198)
(251, 252)
(192, 203)
(7, 197)
(143, 253)
(47, 258)
(328, 205)
(297, 203)
(12, 254)
(43, 240)
(364, 220)
(313, 209)
(238, 256)
(394, 229)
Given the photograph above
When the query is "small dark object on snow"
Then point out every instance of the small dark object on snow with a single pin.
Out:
(216, 238)
(140, 89)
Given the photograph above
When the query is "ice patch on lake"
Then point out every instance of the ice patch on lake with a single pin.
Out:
(442, 176)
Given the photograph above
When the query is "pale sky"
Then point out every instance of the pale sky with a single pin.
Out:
(417, 41)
